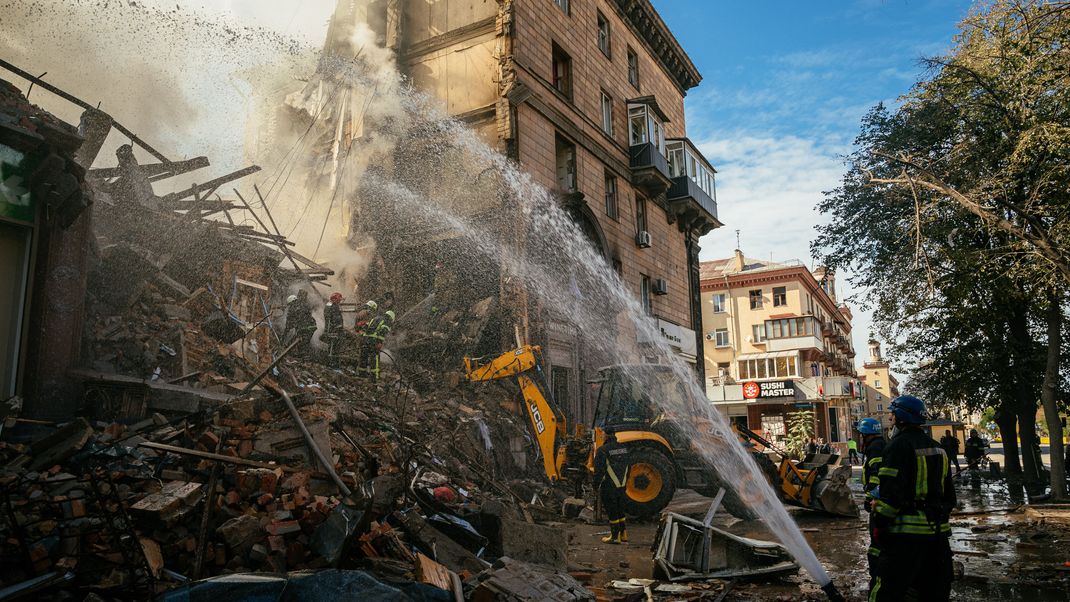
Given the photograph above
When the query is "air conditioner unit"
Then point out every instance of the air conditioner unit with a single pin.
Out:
(643, 239)
(709, 336)
(661, 287)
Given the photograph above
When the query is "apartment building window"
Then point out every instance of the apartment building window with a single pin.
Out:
(633, 68)
(565, 156)
(644, 125)
(780, 296)
(720, 337)
(607, 114)
(759, 333)
(756, 299)
(563, 5)
(723, 368)
(640, 214)
(778, 367)
(612, 210)
(562, 71)
(644, 294)
(603, 34)
(685, 160)
(786, 328)
(877, 384)
(719, 300)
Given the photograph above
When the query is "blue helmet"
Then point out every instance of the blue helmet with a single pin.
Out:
(869, 426)
(909, 410)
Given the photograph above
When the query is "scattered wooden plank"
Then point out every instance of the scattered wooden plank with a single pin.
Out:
(219, 457)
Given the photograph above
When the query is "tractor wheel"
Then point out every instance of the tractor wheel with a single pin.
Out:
(651, 483)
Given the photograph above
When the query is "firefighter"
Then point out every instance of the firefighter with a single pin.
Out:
(873, 448)
(332, 315)
(374, 335)
(610, 476)
(300, 325)
(910, 513)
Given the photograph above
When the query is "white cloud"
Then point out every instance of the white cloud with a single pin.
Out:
(768, 187)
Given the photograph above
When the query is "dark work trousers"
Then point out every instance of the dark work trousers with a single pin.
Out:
(913, 562)
(612, 500)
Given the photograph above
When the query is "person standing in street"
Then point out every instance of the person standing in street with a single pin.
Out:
(852, 451)
(950, 444)
(611, 464)
(873, 449)
(975, 450)
(912, 505)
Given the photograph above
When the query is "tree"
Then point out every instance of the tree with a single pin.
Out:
(966, 187)
(800, 432)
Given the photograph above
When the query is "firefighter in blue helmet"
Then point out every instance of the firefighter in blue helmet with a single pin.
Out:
(873, 449)
(911, 511)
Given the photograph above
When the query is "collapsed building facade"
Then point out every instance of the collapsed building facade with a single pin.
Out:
(587, 97)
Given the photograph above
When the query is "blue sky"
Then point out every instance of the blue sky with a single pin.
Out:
(784, 87)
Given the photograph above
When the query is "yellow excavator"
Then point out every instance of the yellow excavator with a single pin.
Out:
(663, 450)
(662, 453)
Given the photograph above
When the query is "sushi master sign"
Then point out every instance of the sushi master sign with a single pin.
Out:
(777, 388)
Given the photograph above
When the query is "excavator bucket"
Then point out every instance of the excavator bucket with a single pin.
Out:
(833, 495)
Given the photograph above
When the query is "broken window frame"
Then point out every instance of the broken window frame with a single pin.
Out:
(561, 69)
(567, 183)
(756, 300)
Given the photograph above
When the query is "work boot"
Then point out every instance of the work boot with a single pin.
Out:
(614, 534)
(623, 531)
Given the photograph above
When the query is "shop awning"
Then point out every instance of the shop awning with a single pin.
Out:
(769, 355)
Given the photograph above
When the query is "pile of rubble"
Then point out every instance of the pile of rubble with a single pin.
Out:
(424, 489)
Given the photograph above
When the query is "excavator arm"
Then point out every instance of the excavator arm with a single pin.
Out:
(523, 363)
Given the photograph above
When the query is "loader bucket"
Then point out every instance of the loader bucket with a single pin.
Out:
(833, 495)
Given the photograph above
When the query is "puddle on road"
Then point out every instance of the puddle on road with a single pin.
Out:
(1003, 556)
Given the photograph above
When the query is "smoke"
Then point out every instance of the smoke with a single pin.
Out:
(182, 82)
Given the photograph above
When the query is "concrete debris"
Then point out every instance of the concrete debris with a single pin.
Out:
(515, 581)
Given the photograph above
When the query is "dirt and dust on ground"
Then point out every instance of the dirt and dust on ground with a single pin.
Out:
(1003, 550)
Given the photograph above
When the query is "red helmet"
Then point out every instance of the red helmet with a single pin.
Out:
(336, 298)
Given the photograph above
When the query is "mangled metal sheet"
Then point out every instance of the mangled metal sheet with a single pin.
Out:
(688, 549)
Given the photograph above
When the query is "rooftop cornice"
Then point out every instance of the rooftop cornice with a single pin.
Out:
(646, 23)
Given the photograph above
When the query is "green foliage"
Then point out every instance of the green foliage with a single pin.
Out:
(954, 210)
(800, 430)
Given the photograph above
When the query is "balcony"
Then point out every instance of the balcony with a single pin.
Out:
(650, 170)
(692, 198)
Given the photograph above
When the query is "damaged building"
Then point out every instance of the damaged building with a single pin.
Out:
(587, 97)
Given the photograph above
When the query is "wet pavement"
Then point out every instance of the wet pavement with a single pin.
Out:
(1003, 550)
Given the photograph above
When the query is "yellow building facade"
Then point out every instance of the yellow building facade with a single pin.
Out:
(776, 340)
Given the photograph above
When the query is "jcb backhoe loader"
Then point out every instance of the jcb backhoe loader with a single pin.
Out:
(813, 483)
(662, 453)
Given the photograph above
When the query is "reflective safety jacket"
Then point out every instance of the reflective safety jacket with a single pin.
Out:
(378, 328)
(870, 479)
(611, 465)
(916, 492)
